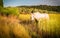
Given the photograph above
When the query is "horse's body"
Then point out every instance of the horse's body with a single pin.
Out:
(41, 20)
(38, 16)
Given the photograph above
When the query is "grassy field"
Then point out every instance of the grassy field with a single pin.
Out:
(10, 27)
(51, 28)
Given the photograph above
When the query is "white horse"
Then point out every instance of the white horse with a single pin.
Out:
(38, 16)
(42, 19)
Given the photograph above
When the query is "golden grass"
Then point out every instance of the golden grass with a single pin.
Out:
(24, 17)
(10, 28)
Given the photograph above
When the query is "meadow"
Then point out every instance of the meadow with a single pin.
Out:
(16, 23)
(48, 30)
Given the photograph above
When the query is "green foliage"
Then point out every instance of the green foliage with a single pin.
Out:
(13, 11)
(9, 11)
(1, 8)
(1, 3)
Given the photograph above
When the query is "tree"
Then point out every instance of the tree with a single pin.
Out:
(1, 3)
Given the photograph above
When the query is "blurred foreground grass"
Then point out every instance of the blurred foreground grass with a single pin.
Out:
(11, 28)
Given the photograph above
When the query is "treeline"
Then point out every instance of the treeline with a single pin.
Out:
(44, 7)
(28, 9)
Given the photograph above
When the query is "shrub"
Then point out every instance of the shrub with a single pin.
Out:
(9, 11)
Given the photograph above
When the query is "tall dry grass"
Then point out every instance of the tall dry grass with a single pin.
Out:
(10, 28)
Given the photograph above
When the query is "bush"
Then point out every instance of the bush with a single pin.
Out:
(9, 11)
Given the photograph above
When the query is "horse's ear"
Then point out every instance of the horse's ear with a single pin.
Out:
(32, 11)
